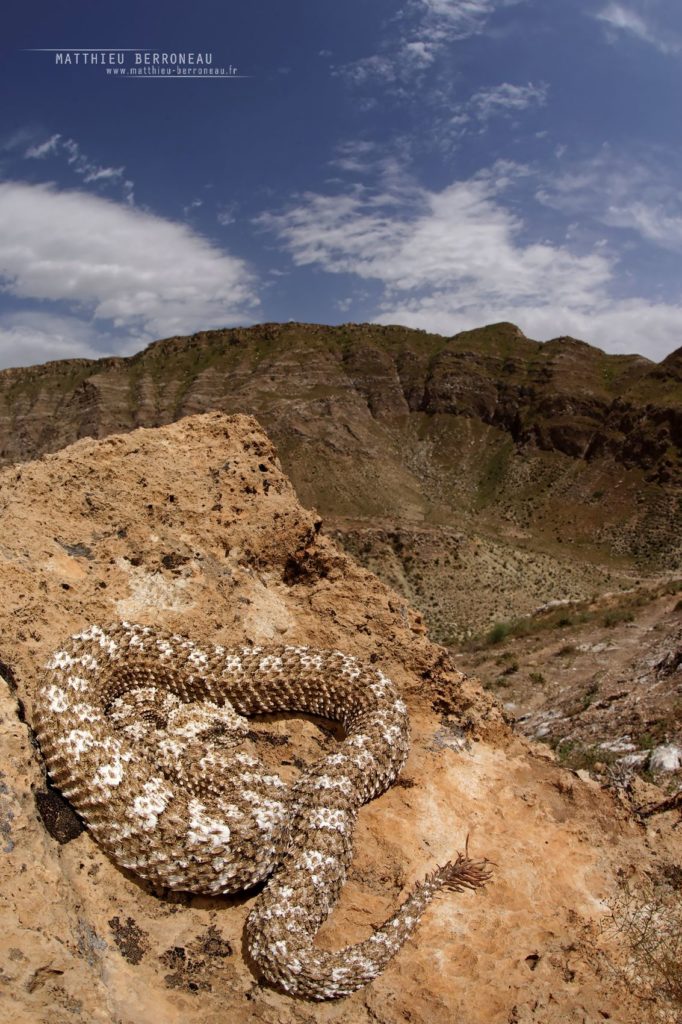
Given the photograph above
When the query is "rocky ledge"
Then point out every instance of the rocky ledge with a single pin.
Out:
(195, 528)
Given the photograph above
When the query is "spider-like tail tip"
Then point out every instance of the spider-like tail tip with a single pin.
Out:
(464, 873)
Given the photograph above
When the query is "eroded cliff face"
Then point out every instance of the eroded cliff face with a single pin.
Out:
(194, 527)
(562, 396)
(554, 457)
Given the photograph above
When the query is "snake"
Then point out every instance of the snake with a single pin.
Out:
(145, 733)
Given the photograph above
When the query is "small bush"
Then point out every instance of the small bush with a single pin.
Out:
(645, 921)
(537, 678)
(573, 754)
(564, 750)
(498, 633)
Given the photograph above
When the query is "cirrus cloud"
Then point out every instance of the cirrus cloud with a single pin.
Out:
(460, 257)
(461, 237)
(621, 19)
(419, 33)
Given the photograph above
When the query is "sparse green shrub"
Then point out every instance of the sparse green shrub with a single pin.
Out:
(498, 633)
(564, 750)
(655, 734)
(537, 677)
(574, 755)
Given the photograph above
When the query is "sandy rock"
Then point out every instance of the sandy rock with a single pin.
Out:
(194, 527)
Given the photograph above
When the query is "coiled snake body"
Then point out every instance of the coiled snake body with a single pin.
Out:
(141, 731)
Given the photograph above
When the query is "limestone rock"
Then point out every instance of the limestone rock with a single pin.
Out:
(194, 527)
(666, 758)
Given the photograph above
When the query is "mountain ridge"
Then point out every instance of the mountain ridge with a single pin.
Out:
(537, 470)
(430, 388)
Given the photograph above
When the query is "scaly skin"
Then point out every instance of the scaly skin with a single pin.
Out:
(141, 731)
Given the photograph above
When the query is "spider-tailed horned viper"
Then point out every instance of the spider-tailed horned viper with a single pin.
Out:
(141, 729)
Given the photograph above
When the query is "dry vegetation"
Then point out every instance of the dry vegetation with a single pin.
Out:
(599, 681)
(607, 610)
(641, 943)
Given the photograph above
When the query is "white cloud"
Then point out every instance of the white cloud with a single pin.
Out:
(443, 21)
(634, 326)
(504, 98)
(17, 140)
(102, 173)
(125, 268)
(85, 167)
(641, 25)
(82, 165)
(367, 69)
(461, 237)
(31, 337)
(621, 190)
(356, 155)
(457, 258)
(651, 222)
(194, 204)
(419, 33)
(227, 214)
(43, 149)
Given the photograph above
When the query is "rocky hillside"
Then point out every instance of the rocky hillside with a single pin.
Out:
(194, 528)
(600, 681)
(480, 474)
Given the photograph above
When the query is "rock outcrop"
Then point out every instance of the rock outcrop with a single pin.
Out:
(564, 456)
(194, 527)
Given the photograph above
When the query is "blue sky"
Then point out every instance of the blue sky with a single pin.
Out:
(436, 163)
